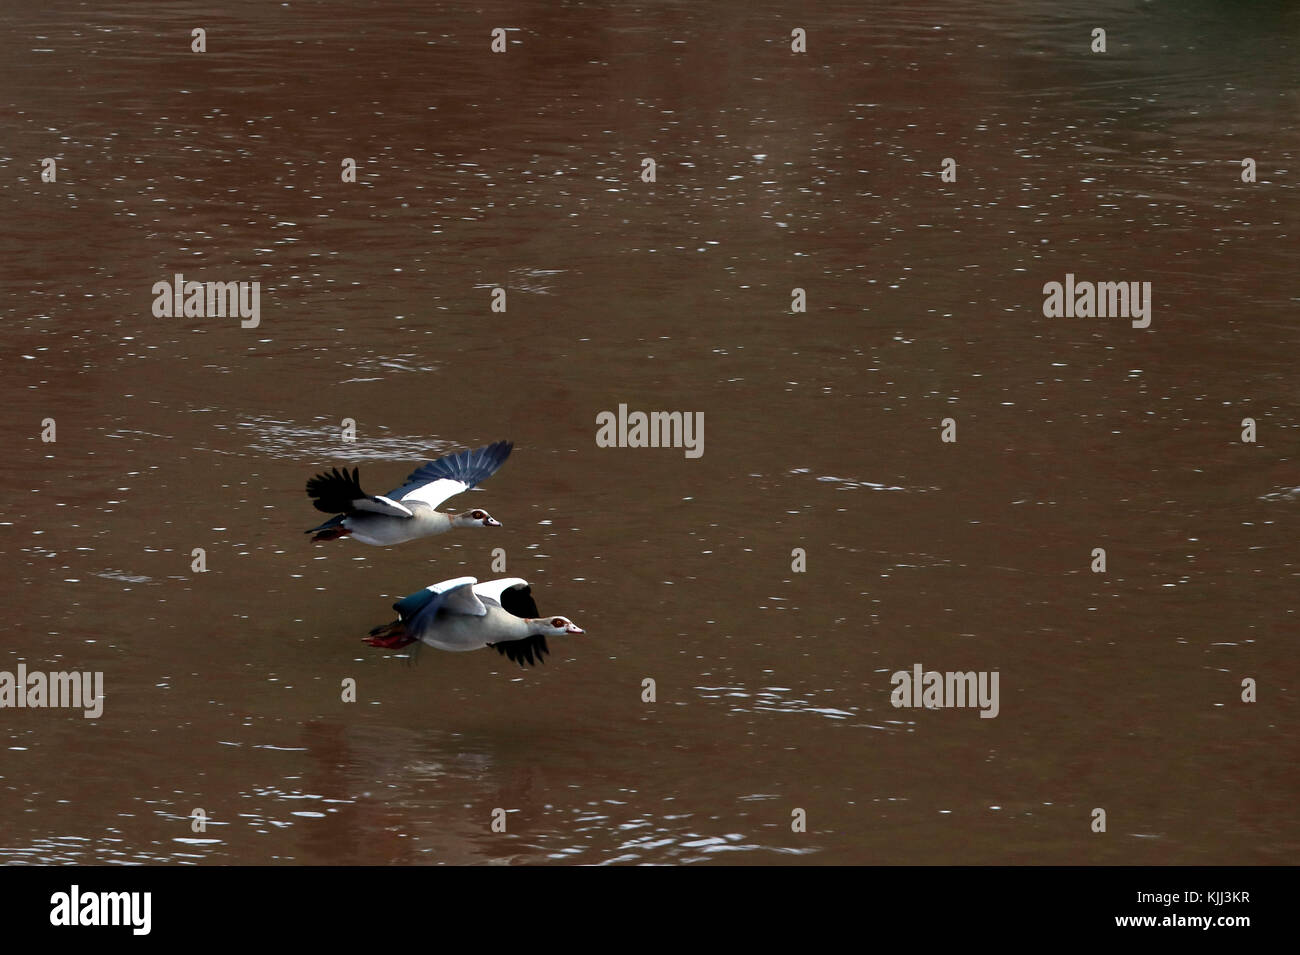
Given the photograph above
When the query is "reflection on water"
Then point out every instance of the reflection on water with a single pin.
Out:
(774, 172)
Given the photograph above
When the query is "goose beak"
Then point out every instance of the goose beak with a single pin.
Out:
(491, 522)
(574, 628)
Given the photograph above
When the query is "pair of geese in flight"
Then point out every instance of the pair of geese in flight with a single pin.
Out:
(458, 614)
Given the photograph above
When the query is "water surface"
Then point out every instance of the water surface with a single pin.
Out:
(774, 171)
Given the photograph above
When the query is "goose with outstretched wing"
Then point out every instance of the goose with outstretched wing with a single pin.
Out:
(408, 512)
(462, 614)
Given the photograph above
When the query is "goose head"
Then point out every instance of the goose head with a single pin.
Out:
(475, 518)
(555, 626)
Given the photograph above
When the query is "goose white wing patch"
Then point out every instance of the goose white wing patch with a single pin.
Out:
(461, 599)
(491, 589)
(442, 586)
(435, 492)
(434, 482)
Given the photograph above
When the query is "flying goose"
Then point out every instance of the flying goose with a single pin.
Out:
(462, 614)
(410, 511)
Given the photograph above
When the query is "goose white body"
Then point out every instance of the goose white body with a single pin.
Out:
(382, 530)
(460, 632)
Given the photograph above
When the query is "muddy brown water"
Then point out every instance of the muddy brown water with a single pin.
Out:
(1118, 690)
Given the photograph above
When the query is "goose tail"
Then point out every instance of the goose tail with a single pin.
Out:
(390, 636)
